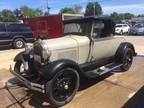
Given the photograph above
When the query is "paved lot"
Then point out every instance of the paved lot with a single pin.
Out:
(112, 91)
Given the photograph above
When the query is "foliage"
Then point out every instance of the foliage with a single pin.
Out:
(140, 15)
(68, 10)
(78, 9)
(7, 16)
(93, 9)
(30, 12)
(119, 17)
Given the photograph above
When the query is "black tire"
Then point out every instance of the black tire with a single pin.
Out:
(63, 87)
(17, 67)
(18, 43)
(121, 33)
(127, 59)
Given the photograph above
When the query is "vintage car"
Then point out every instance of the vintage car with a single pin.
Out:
(87, 50)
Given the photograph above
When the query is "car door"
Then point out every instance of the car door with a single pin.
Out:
(103, 46)
(126, 28)
(4, 37)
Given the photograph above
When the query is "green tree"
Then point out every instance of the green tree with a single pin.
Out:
(78, 9)
(7, 16)
(140, 15)
(93, 9)
(116, 17)
(128, 15)
(30, 12)
(46, 14)
(68, 10)
(119, 17)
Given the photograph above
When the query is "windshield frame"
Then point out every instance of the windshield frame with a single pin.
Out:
(87, 26)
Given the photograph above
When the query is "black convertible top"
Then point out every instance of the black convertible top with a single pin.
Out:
(108, 22)
(85, 19)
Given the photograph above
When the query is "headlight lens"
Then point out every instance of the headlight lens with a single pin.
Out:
(28, 47)
(45, 51)
(41, 49)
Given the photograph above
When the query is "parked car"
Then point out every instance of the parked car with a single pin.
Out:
(122, 28)
(87, 50)
(15, 35)
(137, 29)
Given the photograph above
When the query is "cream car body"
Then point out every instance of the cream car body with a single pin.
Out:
(77, 48)
(88, 50)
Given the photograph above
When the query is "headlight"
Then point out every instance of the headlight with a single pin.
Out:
(41, 49)
(45, 51)
(28, 47)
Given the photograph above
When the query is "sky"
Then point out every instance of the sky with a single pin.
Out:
(121, 6)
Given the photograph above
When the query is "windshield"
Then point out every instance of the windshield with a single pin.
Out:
(138, 25)
(77, 28)
(118, 26)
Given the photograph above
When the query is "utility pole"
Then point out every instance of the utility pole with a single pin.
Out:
(94, 8)
(47, 6)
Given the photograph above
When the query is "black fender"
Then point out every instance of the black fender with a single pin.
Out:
(121, 49)
(19, 56)
(52, 68)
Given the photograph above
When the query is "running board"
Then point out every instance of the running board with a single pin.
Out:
(103, 70)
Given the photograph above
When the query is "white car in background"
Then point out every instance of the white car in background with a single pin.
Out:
(122, 28)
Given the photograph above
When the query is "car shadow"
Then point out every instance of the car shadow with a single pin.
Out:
(40, 100)
(137, 101)
(87, 82)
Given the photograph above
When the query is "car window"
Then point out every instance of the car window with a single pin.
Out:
(97, 29)
(118, 26)
(2, 28)
(25, 28)
(138, 25)
(18, 28)
(125, 25)
(74, 28)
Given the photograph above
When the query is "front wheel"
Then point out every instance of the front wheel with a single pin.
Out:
(121, 32)
(63, 87)
(19, 67)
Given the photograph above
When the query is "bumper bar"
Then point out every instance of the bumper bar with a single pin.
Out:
(27, 83)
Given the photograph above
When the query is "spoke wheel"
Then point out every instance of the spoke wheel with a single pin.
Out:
(63, 87)
(19, 67)
(127, 59)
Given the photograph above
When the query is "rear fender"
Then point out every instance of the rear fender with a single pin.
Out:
(121, 49)
(52, 68)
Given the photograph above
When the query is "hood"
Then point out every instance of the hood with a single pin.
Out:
(68, 47)
(67, 42)
(61, 43)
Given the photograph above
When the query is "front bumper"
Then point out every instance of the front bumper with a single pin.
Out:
(29, 84)
(117, 32)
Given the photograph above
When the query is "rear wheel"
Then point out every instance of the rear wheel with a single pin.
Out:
(63, 87)
(18, 43)
(127, 59)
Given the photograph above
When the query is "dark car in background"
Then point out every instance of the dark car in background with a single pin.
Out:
(137, 29)
(16, 35)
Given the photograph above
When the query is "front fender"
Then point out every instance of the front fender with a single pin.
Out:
(19, 56)
(52, 68)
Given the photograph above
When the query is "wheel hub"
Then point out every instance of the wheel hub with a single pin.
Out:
(66, 87)
(19, 43)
